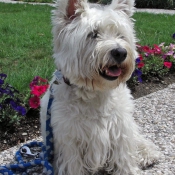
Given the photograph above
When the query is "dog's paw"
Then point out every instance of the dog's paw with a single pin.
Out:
(149, 158)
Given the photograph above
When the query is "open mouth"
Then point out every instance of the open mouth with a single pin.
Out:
(110, 73)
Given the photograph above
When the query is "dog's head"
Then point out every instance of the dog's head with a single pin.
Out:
(94, 45)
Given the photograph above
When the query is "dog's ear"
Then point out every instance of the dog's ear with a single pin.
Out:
(76, 7)
(126, 6)
(70, 8)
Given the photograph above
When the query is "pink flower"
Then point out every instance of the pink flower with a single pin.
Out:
(45, 87)
(42, 80)
(37, 81)
(157, 49)
(140, 65)
(170, 53)
(167, 64)
(140, 56)
(34, 102)
(161, 45)
(172, 47)
(147, 50)
(39, 90)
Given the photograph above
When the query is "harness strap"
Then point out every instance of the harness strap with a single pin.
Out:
(49, 133)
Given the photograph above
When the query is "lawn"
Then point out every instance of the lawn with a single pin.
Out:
(26, 43)
(26, 40)
(154, 28)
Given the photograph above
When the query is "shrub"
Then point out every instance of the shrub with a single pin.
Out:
(154, 61)
(160, 4)
(105, 1)
(12, 108)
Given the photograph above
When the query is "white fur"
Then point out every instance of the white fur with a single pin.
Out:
(92, 119)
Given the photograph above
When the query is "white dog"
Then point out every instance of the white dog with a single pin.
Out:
(91, 114)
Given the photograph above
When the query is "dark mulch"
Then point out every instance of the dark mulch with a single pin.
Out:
(151, 85)
(29, 127)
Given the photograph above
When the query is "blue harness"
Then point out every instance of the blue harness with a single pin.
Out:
(45, 157)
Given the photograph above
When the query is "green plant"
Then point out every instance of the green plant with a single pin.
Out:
(12, 108)
(162, 4)
(38, 87)
(105, 1)
(154, 61)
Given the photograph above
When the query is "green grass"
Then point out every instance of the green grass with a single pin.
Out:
(25, 43)
(26, 40)
(154, 28)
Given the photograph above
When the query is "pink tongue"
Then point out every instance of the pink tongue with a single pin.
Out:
(113, 71)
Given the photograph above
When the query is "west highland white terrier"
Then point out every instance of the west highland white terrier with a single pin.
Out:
(91, 113)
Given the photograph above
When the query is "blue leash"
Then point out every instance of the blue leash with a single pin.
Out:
(46, 155)
(21, 166)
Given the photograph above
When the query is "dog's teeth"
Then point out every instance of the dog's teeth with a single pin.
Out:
(107, 72)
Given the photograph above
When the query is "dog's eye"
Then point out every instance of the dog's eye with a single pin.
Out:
(93, 34)
(122, 37)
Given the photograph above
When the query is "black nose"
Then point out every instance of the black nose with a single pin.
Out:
(119, 54)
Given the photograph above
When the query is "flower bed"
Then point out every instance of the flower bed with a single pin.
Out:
(154, 61)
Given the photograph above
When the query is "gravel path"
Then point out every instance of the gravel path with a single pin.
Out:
(155, 113)
(157, 11)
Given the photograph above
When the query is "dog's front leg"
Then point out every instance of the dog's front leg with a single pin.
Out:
(148, 153)
(123, 148)
(68, 160)
(125, 162)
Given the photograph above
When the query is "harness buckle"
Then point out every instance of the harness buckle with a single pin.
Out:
(25, 150)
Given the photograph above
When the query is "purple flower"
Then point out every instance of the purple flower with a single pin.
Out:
(140, 79)
(8, 92)
(21, 110)
(11, 89)
(2, 91)
(34, 82)
(173, 36)
(3, 76)
(138, 60)
(172, 47)
(10, 100)
(36, 79)
(138, 73)
(1, 82)
(13, 104)
(164, 56)
(170, 53)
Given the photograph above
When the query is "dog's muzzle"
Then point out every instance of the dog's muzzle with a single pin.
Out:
(112, 72)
